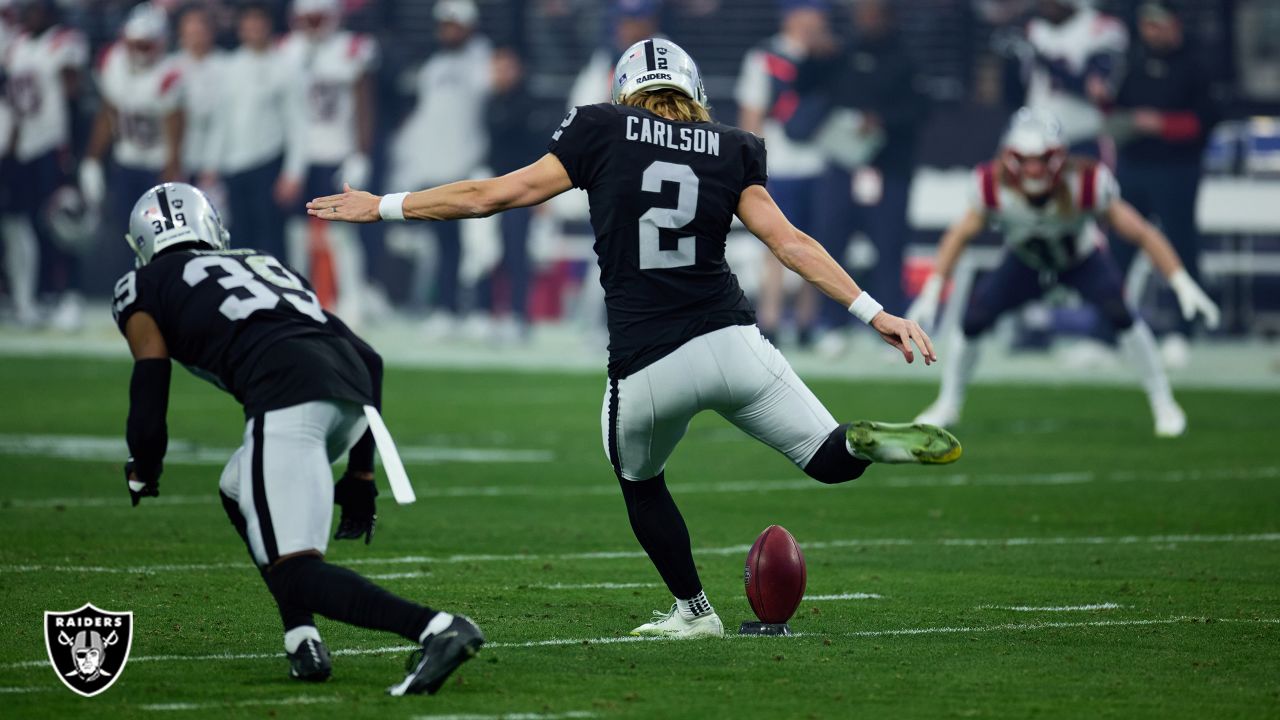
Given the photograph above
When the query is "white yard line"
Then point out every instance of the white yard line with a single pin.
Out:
(846, 596)
(186, 452)
(723, 488)
(297, 700)
(1053, 608)
(728, 550)
(21, 690)
(400, 575)
(626, 639)
(593, 586)
(570, 715)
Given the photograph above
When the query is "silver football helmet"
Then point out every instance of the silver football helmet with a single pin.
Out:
(1034, 134)
(174, 214)
(657, 63)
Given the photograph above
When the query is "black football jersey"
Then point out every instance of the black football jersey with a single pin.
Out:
(662, 196)
(246, 323)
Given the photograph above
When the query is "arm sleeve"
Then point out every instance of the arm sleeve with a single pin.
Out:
(146, 431)
(579, 142)
(360, 459)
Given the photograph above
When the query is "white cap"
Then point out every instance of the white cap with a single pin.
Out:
(1033, 132)
(316, 7)
(462, 12)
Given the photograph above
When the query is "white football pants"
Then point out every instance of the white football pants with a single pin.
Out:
(733, 371)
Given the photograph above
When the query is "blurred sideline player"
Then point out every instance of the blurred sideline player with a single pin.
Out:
(452, 87)
(203, 67)
(1077, 57)
(1046, 204)
(246, 323)
(44, 66)
(767, 98)
(141, 118)
(664, 183)
(336, 97)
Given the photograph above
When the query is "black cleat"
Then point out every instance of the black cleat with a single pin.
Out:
(441, 654)
(310, 662)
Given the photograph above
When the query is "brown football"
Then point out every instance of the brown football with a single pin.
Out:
(775, 575)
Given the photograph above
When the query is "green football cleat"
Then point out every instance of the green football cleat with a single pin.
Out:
(903, 443)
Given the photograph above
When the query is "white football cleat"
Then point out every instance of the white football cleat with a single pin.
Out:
(940, 413)
(1171, 421)
(674, 625)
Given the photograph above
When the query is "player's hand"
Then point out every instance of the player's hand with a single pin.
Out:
(137, 488)
(93, 184)
(901, 333)
(1192, 300)
(355, 494)
(355, 206)
(925, 308)
(287, 190)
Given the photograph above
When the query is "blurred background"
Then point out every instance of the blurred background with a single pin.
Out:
(267, 104)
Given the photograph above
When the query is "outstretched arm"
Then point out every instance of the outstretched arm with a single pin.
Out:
(925, 308)
(530, 185)
(805, 257)
(1192, 300)
(146, 431)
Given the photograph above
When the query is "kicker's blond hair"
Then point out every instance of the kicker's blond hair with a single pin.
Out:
(670, 104)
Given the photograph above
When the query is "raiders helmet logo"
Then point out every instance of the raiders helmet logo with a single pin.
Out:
(88, 647)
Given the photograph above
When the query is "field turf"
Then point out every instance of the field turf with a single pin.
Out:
(1069, 565)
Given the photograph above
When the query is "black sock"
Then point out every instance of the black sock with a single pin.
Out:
(659, 527)
(291, 615)
(341, 594)
(832, 463)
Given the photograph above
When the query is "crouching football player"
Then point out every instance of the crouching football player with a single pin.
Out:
(1046, 205)
(664, 182)
(245, 322)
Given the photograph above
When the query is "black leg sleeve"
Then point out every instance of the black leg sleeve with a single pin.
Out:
(660, 528)
(291, 615)
(832, 463)
(340, 594)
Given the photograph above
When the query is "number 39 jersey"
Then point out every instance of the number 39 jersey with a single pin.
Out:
(1059, 233)
(222, 311)
(662, 196)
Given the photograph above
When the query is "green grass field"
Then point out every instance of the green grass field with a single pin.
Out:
(1063, 499)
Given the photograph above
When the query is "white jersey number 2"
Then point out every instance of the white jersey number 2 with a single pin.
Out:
(652, 256)
(248, 276)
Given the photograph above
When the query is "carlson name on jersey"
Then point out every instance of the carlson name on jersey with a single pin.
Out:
(663, 194)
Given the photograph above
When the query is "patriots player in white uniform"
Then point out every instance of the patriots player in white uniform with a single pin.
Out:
(1047, 206)
(335, 70)
(1076, 57)
(682, 334)
(43, 67)
(141, 118)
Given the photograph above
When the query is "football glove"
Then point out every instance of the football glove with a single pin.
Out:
(93, 183)
(1192, 300)
(925, 308)
(139, 489)
(356, 498)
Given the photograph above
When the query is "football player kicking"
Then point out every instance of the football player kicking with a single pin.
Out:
(245, 322)
(664, 183)
(1046, 205)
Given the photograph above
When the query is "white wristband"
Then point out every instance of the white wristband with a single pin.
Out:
(391, 206)
(865, 307)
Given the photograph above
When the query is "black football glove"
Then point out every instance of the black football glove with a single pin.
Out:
(355, 496)
(137, 488)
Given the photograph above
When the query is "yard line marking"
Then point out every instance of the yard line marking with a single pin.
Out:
(729, 550)
(187, 452)
(721, 488)
(591, 586)
(570, 715)
(297, 700)
(627, 639)
(846, 596)
(1058, 608)
(16, 690)
(400, 575)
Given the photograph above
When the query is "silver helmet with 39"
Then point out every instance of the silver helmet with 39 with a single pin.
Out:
(174, 214)
(657, 63)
